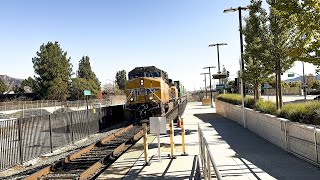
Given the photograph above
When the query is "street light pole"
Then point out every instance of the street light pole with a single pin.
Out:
(239, 9)
(243, 94)
(205, 82)
(218, 44)
(209, 67)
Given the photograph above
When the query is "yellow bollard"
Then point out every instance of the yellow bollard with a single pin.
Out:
(183, 139)
(145, 143)
(94, 110)
(171, 139)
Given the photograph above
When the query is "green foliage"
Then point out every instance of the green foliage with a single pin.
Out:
(237, 100)
(3, 86)
(29, 82)
(54, 71)
(305, 32)
(316, 85)
(306, 112)
(256, 54)
(310, 80)
(77, 88)
(268, 107)
(121, 79)
(87, 77)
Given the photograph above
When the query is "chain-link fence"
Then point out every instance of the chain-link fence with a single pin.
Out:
(23, 139)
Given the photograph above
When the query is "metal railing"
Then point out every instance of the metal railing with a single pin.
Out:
(206, 158)
(20, 105)
(23, 139)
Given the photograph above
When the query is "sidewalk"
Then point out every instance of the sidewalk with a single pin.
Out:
(238, 153)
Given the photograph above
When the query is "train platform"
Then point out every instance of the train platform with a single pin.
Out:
(237, 152)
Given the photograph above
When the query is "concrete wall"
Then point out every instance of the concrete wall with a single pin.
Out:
(299, 139)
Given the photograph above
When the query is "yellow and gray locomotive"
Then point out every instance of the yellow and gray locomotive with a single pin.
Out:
(149, 92)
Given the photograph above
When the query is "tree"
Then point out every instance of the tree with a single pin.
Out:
(121, 79)
(310, 80)
(78, 85)
(29, 82)
(54, 71)
(256, 52)
(224, 71)
(279, 32)
(305, 33)
(3, 86)
(316, 85)
(85, 72)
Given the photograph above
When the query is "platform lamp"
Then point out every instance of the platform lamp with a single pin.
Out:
(243, 94)
(205, 82)
(209, 67)
(218, 44)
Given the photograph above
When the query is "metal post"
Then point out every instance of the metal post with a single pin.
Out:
(304, 83)
(208, 165)
(20, 140)
(145, 143)
(171, 139)
(242, 99)
(183, 139)
(241, 48)
(315, 143)
(50, 134)
(71, 124)
(210, 88)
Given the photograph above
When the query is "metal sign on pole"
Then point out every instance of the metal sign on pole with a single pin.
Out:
(157, 127)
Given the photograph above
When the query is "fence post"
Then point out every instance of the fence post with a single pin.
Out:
(20, 140)
(50, 134)
(71, 124)
(315, 143)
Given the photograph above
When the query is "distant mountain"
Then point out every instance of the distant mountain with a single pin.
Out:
(300, 78)
(10, 81)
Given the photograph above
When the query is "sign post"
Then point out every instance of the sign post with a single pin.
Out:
(158, 126)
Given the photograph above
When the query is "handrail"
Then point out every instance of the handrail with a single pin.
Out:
(206, 157)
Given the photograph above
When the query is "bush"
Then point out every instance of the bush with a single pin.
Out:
(268, 107)
(237, 99)
(306, 112)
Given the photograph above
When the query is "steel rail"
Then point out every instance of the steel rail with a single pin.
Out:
(112, 146)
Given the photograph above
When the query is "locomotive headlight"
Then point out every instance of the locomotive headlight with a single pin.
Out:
(131, 99)
(141, 82)
(150, 98)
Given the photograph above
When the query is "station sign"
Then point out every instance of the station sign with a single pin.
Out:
(87, 92)
(219, 76)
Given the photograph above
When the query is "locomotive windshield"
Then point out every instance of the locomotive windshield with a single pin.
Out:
(146, 72)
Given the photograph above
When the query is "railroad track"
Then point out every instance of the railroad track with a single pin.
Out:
(90, 161)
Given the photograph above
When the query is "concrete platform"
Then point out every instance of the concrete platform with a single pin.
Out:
(238, 152)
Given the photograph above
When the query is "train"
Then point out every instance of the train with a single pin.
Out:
(150, 92)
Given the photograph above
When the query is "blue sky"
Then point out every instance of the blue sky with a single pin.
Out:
(122, 34)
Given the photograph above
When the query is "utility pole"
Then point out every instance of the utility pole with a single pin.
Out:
(209, 67)
(218, 44)
(205, 82)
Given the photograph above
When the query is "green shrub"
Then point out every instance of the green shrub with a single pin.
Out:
(236, 99)
(268, 107)
(306, 112)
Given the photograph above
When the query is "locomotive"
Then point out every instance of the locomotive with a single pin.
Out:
(150, 92)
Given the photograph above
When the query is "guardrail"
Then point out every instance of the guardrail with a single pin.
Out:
(206, 158)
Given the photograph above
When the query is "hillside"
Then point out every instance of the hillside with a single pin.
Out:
(300, 78)
(10, 81)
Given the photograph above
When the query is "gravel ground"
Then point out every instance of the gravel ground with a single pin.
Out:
(21, 171)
